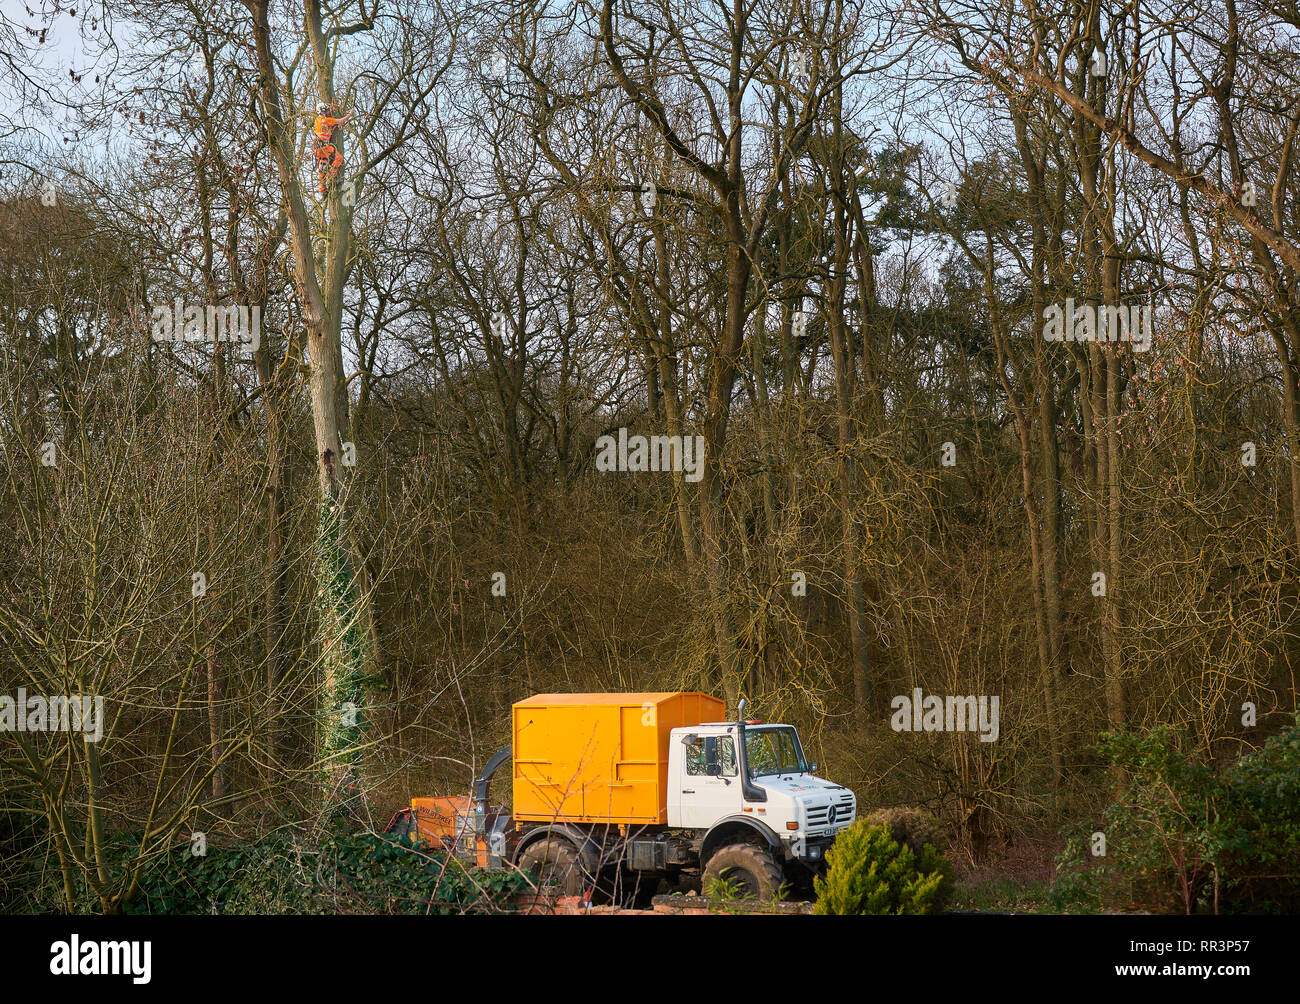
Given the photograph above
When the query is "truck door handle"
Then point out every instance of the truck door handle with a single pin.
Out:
(688, 791)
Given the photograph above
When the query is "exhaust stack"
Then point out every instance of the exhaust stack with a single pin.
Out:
(748, 789)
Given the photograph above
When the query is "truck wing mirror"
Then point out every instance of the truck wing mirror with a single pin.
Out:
(690, 740)
(812, 767)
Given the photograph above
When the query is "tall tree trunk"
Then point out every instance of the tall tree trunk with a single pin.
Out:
(850, 533)
(714, 429)
(670, 381)
(341, 652)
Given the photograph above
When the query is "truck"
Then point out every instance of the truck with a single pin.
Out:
(627, 790)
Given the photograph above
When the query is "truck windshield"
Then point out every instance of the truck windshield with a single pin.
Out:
(772, 750)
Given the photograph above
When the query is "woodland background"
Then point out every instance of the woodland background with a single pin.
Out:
(650, 195)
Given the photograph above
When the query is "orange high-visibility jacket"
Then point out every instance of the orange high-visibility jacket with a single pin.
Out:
(324, 128)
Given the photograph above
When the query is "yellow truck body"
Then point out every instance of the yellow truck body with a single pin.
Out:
(599, 758)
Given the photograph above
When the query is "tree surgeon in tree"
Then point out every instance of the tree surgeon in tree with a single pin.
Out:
(328, 159)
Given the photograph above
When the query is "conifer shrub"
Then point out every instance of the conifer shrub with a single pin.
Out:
(870, 872)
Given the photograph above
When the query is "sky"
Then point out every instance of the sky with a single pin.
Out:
(74, 42)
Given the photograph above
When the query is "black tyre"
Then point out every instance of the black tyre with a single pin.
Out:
(554, 865)
(747, 871)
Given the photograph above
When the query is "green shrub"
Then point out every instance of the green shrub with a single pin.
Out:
(283, 873)
(1184, 837)
(1259, 846)
(911, 827)
(872, 873)
(359, 873)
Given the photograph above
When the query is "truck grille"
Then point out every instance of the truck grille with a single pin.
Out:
(845, 809)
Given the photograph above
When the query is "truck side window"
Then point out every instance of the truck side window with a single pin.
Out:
(712, 755)
(727, 756)
(695, 757)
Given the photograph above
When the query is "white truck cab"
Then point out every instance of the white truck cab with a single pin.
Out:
(753, 775)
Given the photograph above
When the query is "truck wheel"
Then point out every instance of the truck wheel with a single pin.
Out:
(747, 870)
(554, 866)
